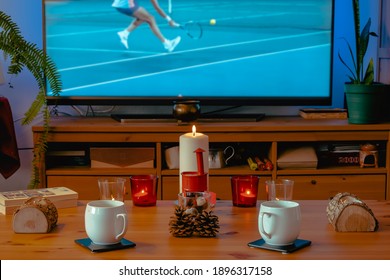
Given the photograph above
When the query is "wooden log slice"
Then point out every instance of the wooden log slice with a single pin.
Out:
(36, 215)
(346, 212)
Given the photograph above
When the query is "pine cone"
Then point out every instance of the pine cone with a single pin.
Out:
(182, 224)
(207, 224)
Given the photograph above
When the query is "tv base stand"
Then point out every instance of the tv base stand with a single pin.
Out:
(123, 118)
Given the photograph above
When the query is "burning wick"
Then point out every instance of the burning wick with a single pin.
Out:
(194, 130)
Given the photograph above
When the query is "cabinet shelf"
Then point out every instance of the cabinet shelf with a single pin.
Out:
(334, 171)
(79, 171)
(226, 171)
(269, 135)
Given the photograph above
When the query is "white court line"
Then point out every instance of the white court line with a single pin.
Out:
(192, 67)
(99, 50)
(192, 50)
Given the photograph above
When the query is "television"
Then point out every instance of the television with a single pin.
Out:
(252, 52)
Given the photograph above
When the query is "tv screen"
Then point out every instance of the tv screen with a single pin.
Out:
(251, 52)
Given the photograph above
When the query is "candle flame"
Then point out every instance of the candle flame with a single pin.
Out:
(248, 192)
(194, 130)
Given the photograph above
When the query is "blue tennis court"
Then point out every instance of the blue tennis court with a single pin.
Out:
(252, 42)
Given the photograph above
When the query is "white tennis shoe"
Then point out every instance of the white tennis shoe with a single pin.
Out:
(170, 45)
(123, 38)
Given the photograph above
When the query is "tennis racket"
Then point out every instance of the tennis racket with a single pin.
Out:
(192, 28)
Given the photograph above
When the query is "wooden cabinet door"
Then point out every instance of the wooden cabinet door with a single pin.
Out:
(325, 187)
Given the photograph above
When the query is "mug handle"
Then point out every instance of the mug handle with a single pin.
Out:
(268, 235)
(229, 157)
(124, 217)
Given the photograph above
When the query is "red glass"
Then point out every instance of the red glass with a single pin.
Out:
(244, 190)
(193, 181)
(144, 190)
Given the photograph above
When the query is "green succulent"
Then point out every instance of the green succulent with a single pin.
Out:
(357, 73)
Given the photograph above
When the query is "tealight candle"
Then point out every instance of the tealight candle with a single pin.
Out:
(189, 143)
(247, 197)
(141, 193)
(247, 193)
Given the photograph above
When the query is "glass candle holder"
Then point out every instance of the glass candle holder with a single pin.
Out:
(144, 190)
(244, 190)
(280, 189)
(112, 188)
(195, 202)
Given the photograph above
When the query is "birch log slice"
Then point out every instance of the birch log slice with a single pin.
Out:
(36, 215)
(347, 213)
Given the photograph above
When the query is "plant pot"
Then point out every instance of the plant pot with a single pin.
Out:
(367, 104)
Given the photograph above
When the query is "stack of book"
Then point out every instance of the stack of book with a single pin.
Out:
(61, 197)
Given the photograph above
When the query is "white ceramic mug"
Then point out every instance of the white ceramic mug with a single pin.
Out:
(172, 157)
(219, 158)
(279, 222)
(105, 221)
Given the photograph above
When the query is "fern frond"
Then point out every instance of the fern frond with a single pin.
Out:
(35, 108)
(24, 54)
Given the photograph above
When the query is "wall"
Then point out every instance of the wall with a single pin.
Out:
(28, 15)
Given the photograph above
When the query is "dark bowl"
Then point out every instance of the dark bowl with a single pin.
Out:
(186, 111)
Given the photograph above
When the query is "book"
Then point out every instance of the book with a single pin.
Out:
(323, 113)
(9, 210)
(16, 198)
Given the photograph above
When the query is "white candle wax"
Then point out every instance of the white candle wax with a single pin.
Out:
(189, 142)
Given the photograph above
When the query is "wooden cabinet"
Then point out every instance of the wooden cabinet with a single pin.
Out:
(72, 134)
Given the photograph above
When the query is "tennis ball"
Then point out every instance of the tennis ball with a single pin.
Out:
(213, 21)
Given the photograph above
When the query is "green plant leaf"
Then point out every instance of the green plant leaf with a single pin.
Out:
(352, 76)
(369, 76)
(362, 39)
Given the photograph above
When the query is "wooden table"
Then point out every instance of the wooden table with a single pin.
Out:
(148, 228)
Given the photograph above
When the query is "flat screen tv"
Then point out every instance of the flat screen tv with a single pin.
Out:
(252, 52)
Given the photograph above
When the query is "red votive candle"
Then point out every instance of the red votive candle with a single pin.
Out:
(244, 190)
(144, 190)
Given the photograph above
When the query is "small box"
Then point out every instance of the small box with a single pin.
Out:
(298, 158)
(122, 157)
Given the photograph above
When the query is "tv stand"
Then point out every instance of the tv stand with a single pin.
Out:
(123, 118)
(70, 140)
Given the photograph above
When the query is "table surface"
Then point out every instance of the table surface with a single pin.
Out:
(148, 228)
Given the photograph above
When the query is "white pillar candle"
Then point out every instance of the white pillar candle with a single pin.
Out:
(189, 142)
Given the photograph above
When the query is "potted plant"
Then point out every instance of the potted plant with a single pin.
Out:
(366, 99)
(23, 54)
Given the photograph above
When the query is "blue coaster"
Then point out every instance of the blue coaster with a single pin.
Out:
(298, 244)
(87, 243)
